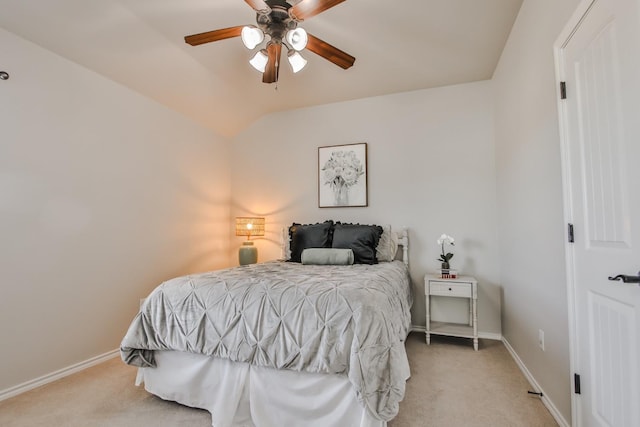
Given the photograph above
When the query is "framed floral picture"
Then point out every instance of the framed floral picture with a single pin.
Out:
(342, 176)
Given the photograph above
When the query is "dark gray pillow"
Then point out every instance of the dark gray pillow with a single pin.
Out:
(361, 239)
(303, 236)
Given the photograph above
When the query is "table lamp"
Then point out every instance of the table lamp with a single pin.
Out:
(249, 226)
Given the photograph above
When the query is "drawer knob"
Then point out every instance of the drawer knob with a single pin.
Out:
(449, 288)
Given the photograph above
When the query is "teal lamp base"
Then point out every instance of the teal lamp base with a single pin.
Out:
(248, 254)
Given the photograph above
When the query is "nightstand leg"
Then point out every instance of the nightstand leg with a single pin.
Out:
(428, 319)
(475, 324)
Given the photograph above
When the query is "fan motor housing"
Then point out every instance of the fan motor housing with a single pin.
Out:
(278, 21)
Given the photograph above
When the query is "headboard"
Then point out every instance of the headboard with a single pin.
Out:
(402, 235)
(403, 244)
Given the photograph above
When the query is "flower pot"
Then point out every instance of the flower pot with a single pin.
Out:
(445, 265)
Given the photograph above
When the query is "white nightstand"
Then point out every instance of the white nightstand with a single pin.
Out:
(460, 287)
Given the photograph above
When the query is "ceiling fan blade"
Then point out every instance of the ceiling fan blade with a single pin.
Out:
(270, 74)
(308, 8)
(330, 53)
(213, 36)
(258, 5)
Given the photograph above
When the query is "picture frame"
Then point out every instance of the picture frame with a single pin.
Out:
(343, 176)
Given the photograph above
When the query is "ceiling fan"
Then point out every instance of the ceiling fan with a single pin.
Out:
(279, 20)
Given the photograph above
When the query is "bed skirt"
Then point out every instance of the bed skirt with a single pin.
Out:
(241, 395)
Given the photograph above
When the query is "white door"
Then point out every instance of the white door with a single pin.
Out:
(598, 56)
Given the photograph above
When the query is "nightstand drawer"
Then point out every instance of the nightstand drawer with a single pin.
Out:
(462, 290)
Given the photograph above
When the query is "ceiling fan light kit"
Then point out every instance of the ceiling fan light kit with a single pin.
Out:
(279, 20)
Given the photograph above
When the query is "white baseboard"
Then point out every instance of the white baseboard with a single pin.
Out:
(545, 400)
(484, 335)
(46, 379)
(490, 336)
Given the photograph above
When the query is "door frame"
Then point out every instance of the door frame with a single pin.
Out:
(558, 49)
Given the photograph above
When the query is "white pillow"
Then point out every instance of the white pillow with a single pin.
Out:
(387, 245)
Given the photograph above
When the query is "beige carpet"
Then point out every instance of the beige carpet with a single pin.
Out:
(451, 385)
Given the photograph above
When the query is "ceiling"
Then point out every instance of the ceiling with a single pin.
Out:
(399, 45)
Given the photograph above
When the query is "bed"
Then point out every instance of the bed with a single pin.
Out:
(284, 343)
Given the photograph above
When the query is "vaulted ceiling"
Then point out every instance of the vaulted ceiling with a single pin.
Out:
(399, 45)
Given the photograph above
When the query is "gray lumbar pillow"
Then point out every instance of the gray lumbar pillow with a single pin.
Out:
(327, 256)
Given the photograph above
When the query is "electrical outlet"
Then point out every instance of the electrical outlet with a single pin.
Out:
(541, 339)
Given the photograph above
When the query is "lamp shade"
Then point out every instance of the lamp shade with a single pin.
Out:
(296, 61)
(298, 38)
(259, 60)
(251, 36)
(249, 226)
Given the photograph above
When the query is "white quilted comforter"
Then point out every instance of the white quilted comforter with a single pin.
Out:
(349, 320)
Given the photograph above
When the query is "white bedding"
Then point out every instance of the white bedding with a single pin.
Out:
(241, 395)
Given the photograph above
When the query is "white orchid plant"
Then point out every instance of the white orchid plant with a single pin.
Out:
(445, 238)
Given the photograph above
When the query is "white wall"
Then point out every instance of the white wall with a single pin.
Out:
(531, 227)
(431, 168)
(103, 194)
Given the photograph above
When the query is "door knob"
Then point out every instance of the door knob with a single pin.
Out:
(627, 279)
